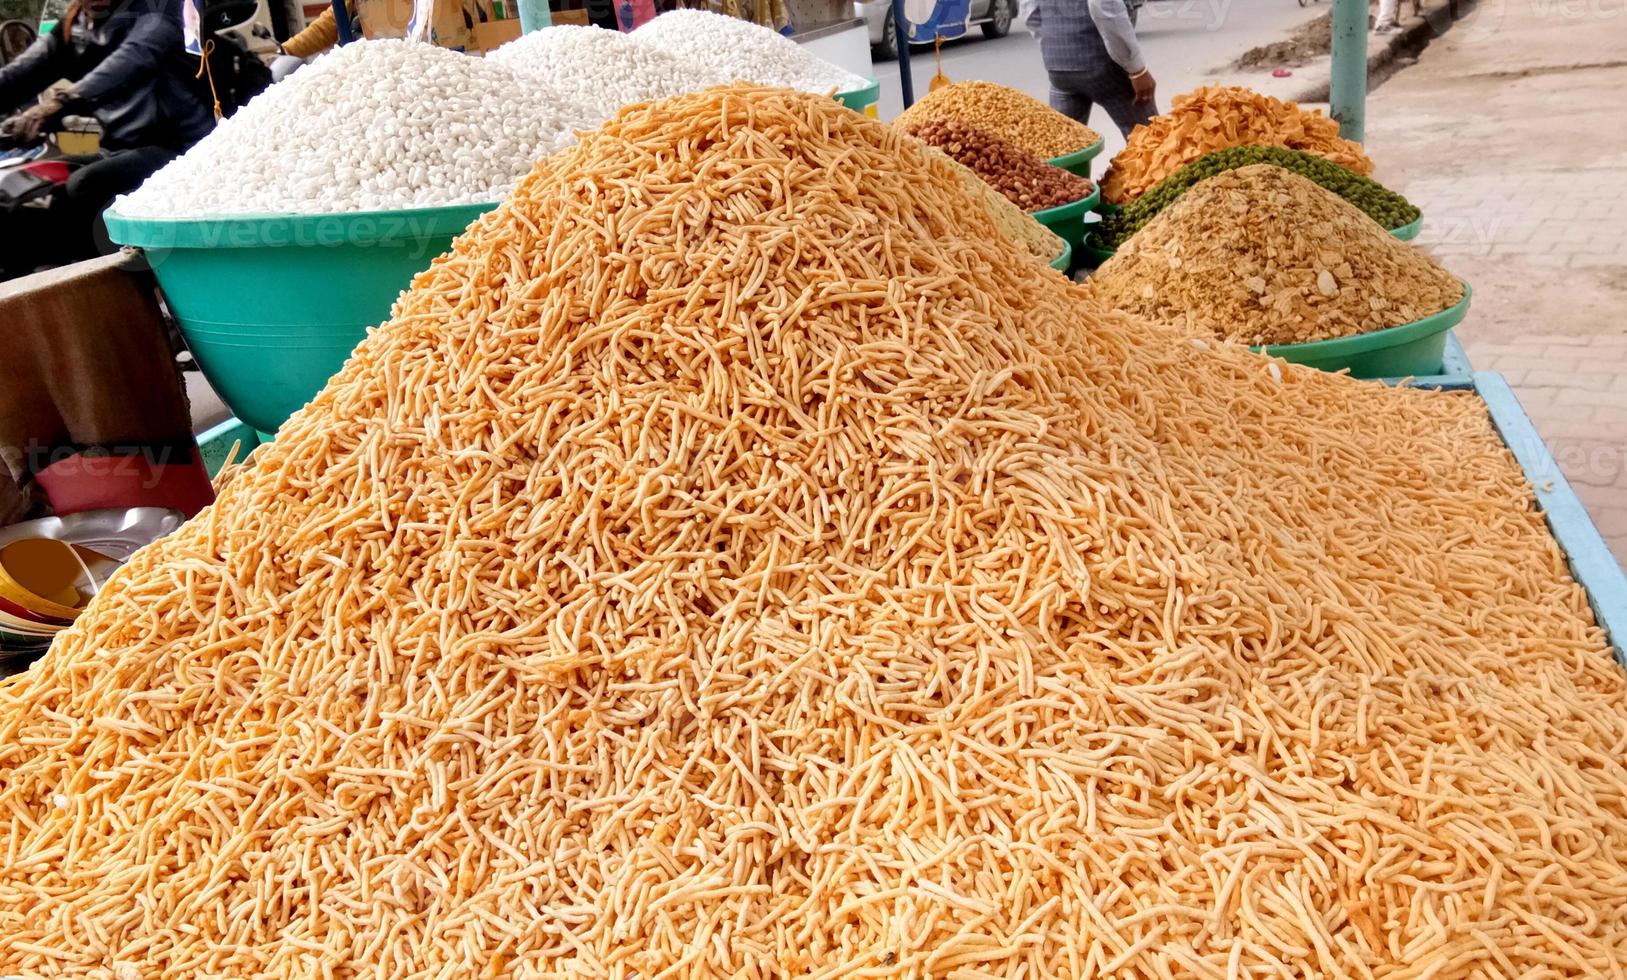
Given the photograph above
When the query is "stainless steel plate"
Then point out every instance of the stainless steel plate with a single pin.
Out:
(116, 532)
(16, 626)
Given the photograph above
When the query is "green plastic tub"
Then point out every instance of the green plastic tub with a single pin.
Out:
(1409, 231)
(271, 306)
(218, 444)
(1061, 262)
(1079, 162)
(1068, 220)
(1093, 254)
(862, 99)
(1415, 349)
(1455, 367)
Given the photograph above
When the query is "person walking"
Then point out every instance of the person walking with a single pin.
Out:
(1389, 16)
(1093, 58)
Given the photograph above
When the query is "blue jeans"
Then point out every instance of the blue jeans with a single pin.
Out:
(1073, 93)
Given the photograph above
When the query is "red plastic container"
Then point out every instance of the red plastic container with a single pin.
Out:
(93, 481)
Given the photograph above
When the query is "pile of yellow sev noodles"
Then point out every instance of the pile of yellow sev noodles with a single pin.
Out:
(735, 560)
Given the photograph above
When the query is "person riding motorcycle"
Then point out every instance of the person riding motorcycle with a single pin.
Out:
(125, 65)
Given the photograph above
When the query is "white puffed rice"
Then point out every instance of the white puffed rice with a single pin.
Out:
(372, 125)
(745, 51)
(603, 70)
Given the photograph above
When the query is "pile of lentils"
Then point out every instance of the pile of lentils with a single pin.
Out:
(1021, 177)
(1378, 202)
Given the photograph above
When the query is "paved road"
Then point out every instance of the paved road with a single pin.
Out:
(1186, 43)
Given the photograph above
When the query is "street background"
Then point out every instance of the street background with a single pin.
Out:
(1509, 132)
(1187, 43)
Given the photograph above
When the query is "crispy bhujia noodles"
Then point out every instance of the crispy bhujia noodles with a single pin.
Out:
(734, 559)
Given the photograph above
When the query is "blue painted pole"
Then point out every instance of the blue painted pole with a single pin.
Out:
(1347, 92)
(534, 15)
(901, 30)
(341, 20)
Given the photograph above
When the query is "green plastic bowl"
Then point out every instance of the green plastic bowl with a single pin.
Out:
(1079, 161)
(1068, 220)
(1093, 254)
(272, 305)
(1061, 262)
(1408, 232)
(218, 442)
(862, 99)
(1413, 349)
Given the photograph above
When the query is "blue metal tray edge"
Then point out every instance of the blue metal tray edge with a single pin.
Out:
(1589, 557)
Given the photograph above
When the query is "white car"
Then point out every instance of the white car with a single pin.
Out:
(995, 16)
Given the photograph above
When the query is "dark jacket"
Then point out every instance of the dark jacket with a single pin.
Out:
(127, 68)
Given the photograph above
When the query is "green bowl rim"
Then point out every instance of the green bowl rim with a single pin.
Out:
(1410, 230)
(1090, 248)
(1062, 212)
(1364, 343)
(1090, 152)
(291, 229)
(1066, 258)
(858, 98)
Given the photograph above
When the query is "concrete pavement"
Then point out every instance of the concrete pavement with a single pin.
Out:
(1509, 132)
